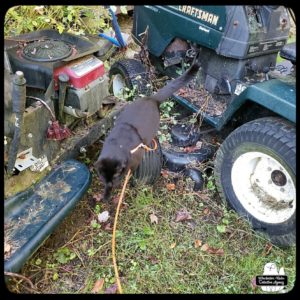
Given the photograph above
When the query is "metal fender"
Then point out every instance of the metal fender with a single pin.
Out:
(275, 95)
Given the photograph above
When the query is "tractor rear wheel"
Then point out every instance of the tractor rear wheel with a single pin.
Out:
(255, 171)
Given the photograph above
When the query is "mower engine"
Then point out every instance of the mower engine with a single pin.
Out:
(64, 81)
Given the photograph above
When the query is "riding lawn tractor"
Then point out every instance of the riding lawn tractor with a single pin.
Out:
(55, 82)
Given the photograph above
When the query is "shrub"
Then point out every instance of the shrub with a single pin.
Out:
(75, 19)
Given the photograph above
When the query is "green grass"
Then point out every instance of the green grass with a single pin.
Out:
(146, 260)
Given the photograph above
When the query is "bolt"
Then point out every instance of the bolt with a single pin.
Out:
(269, 169)
(281, 189)
(269, 181)
(257, 180)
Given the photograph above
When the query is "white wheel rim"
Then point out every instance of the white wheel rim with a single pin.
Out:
(118, 85)
(264, 187)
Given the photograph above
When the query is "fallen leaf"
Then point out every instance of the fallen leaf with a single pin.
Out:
(206, 211)
(173, 245)
(153, 260)
(103, 217)
(182, 216)
(268, 248)
(165, 173)
(98, 286)
(198, 243)
(7, 247)
(112, 289)
(205, 247)
(153, 219)
(171, 186)
(108, 227)
(211, 250)
(115, 200)
(216, 251)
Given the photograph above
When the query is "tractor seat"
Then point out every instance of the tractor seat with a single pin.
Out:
(289, 52)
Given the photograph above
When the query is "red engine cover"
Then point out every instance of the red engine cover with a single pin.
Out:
(81, 71)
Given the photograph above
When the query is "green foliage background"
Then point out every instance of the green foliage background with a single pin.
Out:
(75, 19)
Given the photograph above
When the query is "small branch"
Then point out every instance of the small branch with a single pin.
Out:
(20, 276)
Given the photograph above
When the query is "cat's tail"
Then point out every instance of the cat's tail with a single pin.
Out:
(174, 85)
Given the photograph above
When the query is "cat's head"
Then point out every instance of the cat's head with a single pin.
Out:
(110, 171)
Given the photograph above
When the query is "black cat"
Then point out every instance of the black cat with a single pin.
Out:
(137, 123)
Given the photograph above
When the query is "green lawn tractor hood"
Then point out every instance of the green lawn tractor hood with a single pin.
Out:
(232, 31)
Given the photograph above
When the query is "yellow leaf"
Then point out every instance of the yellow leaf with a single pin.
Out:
(198, 243)
(173, 245)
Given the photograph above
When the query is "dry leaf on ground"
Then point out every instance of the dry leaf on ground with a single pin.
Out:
(112, 289)
(108, 227)
(204, 247)
(198, 243)
(182, 215)
(206, 211)
(173, 245)
(268, 248)
(153, 219)
(171, 186)
(165, 173)
(98, 286)
(211, 250)
(115, 200)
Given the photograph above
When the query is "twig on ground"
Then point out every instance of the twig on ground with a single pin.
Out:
(11, 274)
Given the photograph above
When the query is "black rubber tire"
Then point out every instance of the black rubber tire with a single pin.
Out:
(196, 176)
(177, 161)
(130, 69)
(185, 135)
(149, 169)
(275, 137)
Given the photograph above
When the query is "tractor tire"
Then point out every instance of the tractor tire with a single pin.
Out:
(255, 171)
(131, 74)
(149, 169)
